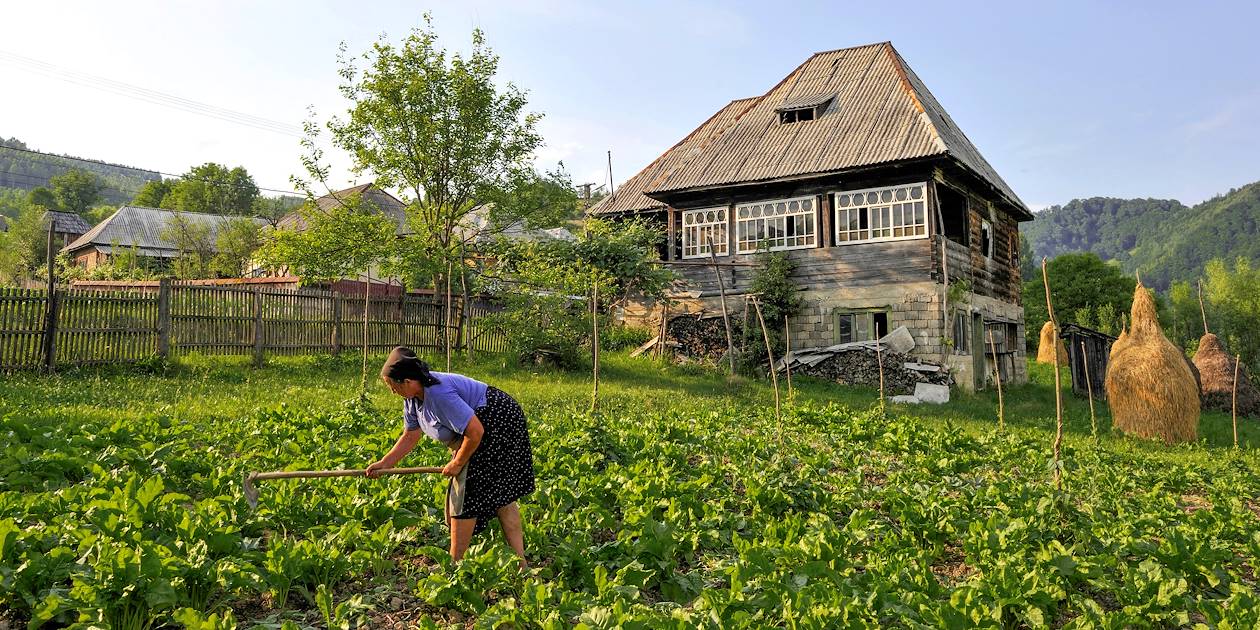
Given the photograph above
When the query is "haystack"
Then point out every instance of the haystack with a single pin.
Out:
(1150, 387)
(1045, 349)
(1216, 373)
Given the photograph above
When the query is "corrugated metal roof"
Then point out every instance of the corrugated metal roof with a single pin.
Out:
(67, 222)
(881, 113)
(387, 203)
(629, 197)
(144, 228)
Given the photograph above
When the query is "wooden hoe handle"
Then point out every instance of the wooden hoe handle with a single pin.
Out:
(310, 474)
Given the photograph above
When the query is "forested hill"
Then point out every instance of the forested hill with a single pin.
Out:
(1161, 238)
(25, 171)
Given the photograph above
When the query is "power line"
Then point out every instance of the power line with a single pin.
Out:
(172, 175)
(147, 95)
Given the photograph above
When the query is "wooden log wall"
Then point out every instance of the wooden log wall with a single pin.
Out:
(843, 266)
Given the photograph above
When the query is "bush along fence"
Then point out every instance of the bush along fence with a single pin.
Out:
(79, 327)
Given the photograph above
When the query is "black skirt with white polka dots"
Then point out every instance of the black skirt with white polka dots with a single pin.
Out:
(501, 470)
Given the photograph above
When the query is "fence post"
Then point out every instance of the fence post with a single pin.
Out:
(50, 313)
(258, 327)
(336, 324)
(164, 318)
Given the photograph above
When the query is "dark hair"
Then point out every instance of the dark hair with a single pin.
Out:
(403, 364)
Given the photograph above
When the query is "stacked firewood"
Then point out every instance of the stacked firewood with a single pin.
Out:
(700, 338)
(860, 366)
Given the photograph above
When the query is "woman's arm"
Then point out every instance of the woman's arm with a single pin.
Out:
(472, 439)
(405, 443)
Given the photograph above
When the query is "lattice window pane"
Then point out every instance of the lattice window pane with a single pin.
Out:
(702, 226)
(881, 214)
(776, 225)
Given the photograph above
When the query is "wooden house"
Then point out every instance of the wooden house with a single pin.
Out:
(146, 231)
(853, 168)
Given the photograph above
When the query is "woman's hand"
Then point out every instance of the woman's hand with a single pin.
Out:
(452, 468)
(373, 469)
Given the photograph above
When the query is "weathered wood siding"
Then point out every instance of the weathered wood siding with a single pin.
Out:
(820, 269)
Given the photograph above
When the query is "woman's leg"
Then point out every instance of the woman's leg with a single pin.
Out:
(510, 520)
(461, 535)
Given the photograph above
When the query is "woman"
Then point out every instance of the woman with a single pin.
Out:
(491, 464)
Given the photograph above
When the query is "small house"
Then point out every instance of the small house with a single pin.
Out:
(67, 226)
(891, 215)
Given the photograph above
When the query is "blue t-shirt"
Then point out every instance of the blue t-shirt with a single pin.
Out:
(447, 406)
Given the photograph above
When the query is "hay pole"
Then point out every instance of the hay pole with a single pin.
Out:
(1237, 360)
(1089, 388)
(1058, 388)
(997, 377)
(1202, 311)
(774, 375)
(726, 320)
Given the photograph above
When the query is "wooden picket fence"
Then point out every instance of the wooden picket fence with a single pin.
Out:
(80, 327)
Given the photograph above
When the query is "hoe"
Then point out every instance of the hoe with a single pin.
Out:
(251, 492)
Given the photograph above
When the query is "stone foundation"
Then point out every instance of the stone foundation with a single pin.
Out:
(917, 306)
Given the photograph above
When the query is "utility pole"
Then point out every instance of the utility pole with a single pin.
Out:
(612, 186)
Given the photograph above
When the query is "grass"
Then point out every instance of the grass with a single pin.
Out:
(206, 388)
(680, 477)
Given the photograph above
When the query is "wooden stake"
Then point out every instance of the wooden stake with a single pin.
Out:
(1237, 360)
(787, 350)
(595, 347)
(879, 359)
(450, 268)
(1058, 389)
(1089, 387)
(997, 377)
(774, 375)
(945, 323)
(1202, 311)
(660, 340)
(367, 292)
(726, 321)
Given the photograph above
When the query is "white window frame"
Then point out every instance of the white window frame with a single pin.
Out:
(885, 209)
(701, 226)
(746, 223)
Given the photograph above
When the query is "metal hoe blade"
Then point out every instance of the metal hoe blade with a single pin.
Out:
(251, 491)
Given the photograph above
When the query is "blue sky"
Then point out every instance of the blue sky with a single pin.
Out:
(1065, 99)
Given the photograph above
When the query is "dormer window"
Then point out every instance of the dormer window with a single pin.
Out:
(803, 108)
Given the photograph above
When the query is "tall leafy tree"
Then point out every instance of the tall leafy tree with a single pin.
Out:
(153, 193)
(1081, 285)
(76, 190)
(215, 189)
(456, 143)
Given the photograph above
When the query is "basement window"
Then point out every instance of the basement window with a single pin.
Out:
(850, 326)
